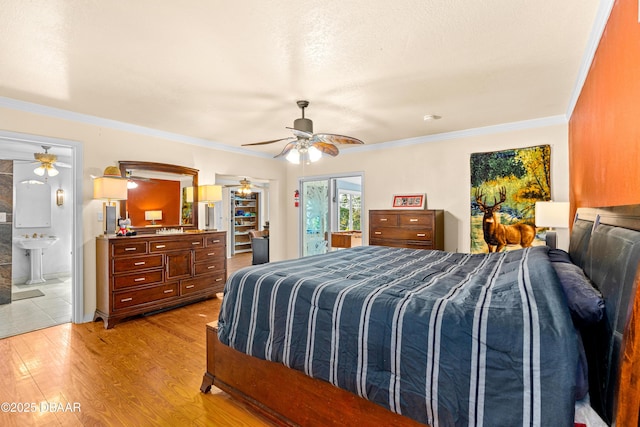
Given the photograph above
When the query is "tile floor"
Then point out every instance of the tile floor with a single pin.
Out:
(30, 314)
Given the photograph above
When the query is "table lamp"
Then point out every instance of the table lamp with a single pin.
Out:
(110, 187)
(552, 215)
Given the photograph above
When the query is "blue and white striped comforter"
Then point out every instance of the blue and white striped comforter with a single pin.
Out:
(447, 339)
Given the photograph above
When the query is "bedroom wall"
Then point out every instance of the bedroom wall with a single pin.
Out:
(105, 146)
(604, 130)
(441, 169)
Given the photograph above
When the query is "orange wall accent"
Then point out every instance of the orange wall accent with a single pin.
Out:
(604, 129)
(152, 195)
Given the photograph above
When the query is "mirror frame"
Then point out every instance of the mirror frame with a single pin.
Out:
(126, 165)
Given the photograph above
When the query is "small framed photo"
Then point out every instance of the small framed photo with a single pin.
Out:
(409, 201)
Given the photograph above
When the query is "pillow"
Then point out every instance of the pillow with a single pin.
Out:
(558, 255)
(584, 300)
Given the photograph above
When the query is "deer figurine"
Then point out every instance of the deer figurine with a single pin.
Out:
(498, 235)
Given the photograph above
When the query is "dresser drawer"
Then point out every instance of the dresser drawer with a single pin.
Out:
(383, 220)
(129, 248)
(215, 241)
(127, 299)
(209, 253)
(121, 265)
(214, 282)
(401, 233)
(171, 245)
(138, 279)
(214, 265)
(411, 244)
(418, 220)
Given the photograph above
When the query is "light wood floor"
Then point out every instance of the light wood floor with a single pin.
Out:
(144, 372)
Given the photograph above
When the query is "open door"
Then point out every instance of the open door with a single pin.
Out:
(328, 204)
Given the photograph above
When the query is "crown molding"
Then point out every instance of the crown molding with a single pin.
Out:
(30, 107)
(486, 130)
(599, 24)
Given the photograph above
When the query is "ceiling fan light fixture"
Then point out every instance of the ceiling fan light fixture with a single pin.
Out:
(314, 154)
(46, 160)
(293, 156)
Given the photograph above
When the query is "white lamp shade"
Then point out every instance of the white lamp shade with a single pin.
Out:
(152, 215)
(110, 188)
(209, 193)
(293, 156)
(552, 214)
(314, 154)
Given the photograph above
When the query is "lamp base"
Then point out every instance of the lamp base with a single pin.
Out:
(109, 215)
(210, 218)
(552, 239)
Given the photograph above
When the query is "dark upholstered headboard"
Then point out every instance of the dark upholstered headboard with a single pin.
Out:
(605, 242)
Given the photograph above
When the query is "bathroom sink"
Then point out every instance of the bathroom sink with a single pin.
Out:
(34, 242)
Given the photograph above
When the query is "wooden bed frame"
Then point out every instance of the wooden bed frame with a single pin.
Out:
(288, 397)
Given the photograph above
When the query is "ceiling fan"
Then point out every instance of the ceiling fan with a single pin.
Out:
(306, 145)
(48, 162)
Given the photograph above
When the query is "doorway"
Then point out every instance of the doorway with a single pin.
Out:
(329, 204)
(43, 287)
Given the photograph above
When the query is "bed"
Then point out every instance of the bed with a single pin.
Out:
(391, 336)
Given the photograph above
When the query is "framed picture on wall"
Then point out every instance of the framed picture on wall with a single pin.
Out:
(409, 201)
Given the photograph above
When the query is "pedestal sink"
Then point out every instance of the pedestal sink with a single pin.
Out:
(35, 245)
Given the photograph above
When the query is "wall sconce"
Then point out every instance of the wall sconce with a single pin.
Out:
(153, 216)
(110, 187)
(59, 197)
(552, 215)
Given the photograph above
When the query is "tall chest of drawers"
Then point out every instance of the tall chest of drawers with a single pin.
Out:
(416, 229)
(145, 273)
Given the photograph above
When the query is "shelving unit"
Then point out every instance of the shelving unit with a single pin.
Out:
(246, 216)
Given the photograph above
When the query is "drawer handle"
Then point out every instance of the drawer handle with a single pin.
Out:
(139, 263)
(130, 249)
(216, 241)
(377, 232)
(190, 286)
(383, 219)
(140, 279)
(218, 279)
(195, 243)
(211, 254)
(211, 267)
(421, 234)
(126, 299)
(413, 219)
(160, 246)
(168, 291)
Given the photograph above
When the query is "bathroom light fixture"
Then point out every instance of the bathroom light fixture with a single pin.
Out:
(153, 216)
(59, 197)
(46, 163)
(110, 187)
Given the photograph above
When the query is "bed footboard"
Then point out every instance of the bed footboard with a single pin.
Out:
(285, 396)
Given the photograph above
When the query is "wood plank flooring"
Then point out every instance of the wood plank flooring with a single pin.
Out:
(144, 372)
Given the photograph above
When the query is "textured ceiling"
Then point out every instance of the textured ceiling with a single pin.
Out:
(230, 73)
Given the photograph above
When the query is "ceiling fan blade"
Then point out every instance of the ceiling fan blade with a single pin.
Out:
(301, 133)
(337, 139)
(267, 142)
(290, 146)
(326, 148)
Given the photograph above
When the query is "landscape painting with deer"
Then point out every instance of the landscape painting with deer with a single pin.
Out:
(505, 185)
